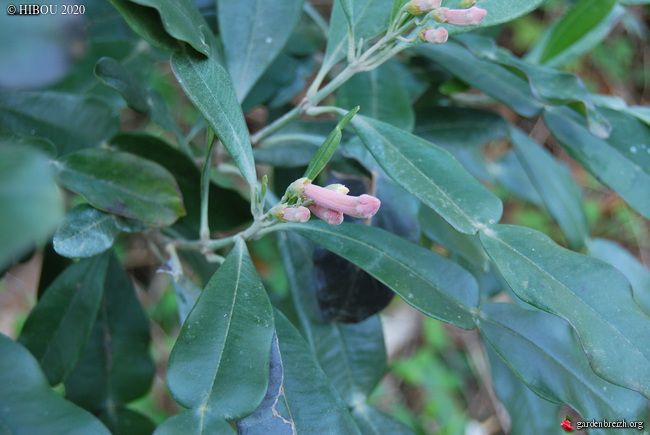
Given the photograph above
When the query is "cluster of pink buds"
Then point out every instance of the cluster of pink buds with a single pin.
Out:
(329, 203)
(470, 16)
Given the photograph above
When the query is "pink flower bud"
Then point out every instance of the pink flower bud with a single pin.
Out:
(418, 7)
(296, 214)
(460, 17)
(434, 36)
(364, 206)
(332, 217)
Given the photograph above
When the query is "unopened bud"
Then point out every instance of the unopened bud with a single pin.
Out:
(466, 4)
(433, 35)
(296, 214)
(460, 17)
(419, 7)
(338, 188)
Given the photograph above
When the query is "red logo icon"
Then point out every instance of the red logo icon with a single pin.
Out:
(566, 425)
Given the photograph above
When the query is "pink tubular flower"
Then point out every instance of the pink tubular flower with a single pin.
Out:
(434, 36)
(364, 206)
(332, 217)
(460, 17)
(296, 214)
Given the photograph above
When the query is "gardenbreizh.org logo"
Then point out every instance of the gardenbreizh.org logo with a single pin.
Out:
(600, 424)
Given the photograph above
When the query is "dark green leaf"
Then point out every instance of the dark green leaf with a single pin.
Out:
(115, 367)
(161, 114)
(208, 86)
(373, 421)
(581, 19)
(527, 411)
(311, 398)
(633, 269)
(124, 184)
(58, 328)
(327, 149)
(272, 416)
(123, 421)
(220, 362)
(113, 74)
(509, 172)
(431, 174)
(546, 355)
(182, 20)
(85, 232)
(498, 82)
(561, 195)
(147, 23)
(431, 283)
(194, 422)
(453, 127)
(71, 122)
(498, 12)
(8, 138)
(29, 406)
(253, 34)
(379, 95)
(583, 291)
(32, 204)
(619, 162)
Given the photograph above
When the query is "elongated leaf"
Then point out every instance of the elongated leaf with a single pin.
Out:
(501, 11)
(379, 96)
(582, 18)
(454, 127)
(58, 328)
(369, 18)
(220, 362)
(193, 422)
(146, 22)
(496, 81)
(113, 74)
(71, 122)
(373, 421)
(182, 20)
(115, 367)
(327, 149)
(208, 86)
(527, 411)
(32, 204)
(431, 174)
(634, 271)
(561, 196)
(546, 355)
(123, 421)
(509, 172)
(311, 398)
(272, 416)
(618, 162)
(432, 284)
(581, 290)
(85, 232)
(161, 114)
(123, 184)
(30, 406)
(253, 33)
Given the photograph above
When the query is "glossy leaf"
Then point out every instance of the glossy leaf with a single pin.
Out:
(123, 184)
(629, 265)
(32, 204)
(147, 23)
(583, 17)
(115, 367)
(432, 284)
(71, 122)
(582, 291)
(379, 96)
(453, 127)
(85, 232)
(272, 416)
(311, 398)
(327, 149)
(115, 75)
(220, 362)
(527, 411)
(194, 422)
(58, 328)
(208, 86)
(253, 34)
(30, 406)
(553, 182)
(496, 81)
(182, 20)
(546, 355)
(431, 174)
(618, 162)
(370, 17)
